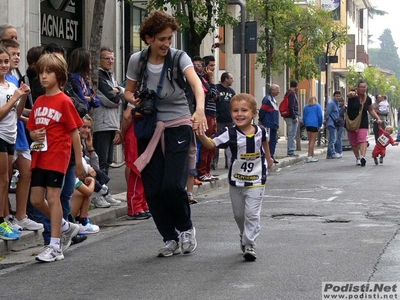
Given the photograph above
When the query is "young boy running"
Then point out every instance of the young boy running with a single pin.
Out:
(384, 139)
(249, 157)
(53, 125)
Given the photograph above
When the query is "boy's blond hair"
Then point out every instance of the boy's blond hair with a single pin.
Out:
(389, 129)
(56, 63)
(247, 98)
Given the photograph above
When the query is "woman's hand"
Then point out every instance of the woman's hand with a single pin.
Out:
(118, 138)
(199, 122)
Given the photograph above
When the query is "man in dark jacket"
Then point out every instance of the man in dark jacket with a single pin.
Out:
(107, 116)
(269, 117)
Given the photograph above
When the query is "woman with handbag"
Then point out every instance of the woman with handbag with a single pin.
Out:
(357, 120)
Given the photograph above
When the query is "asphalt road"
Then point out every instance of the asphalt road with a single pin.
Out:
(321, 222)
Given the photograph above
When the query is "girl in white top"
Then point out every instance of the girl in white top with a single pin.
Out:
(12, 103)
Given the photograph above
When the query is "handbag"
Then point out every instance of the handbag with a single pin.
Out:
(337, 122)
(145, 125)
(353, 125)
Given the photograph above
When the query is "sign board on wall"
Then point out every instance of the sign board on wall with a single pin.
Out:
(332, 6)
(61, 23)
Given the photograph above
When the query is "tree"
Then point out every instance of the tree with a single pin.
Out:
(294, 36)
(197, 18)
(95, 38)
(386, 56)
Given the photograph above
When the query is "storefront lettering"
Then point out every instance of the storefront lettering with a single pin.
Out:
(53, 26)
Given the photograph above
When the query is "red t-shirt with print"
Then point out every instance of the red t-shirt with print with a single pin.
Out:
(57, 114)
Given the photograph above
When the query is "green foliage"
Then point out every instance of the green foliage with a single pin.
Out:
(294, 36)
(378, 83)
(197, 17)
(386, 56)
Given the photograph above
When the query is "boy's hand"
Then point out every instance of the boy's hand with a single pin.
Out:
(80, 171)
(270, 162)
(89, 180)
(396, 143)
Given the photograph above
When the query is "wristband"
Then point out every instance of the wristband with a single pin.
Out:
(91, 151)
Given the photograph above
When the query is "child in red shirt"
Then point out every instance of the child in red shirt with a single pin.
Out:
(53, 125)
(382, 142)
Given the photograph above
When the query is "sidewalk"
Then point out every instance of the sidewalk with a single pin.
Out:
(30, 239)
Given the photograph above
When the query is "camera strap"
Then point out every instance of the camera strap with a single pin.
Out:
(161, 82)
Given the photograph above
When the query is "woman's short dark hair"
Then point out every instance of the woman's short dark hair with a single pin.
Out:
(156, 22)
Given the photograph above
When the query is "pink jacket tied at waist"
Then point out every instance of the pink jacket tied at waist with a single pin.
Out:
(144, 159)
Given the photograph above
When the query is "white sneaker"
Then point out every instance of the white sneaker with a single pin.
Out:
(66, 236)
(88, 228)
(187, 241)
(50, 254)
(13, 223)
(111, 200)
(311, 159)
(358, 162)
(336, 156)
(100, 202)
(28, 224)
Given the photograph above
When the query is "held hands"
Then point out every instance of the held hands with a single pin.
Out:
(199, 123)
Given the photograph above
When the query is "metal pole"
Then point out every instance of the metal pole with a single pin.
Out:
(242, 43)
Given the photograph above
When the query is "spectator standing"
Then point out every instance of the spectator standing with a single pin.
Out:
(292, 121)
(312, 117)
(80, 66)
(246, 144)
(269, 117)
(358, 138)
(206, 76)
(107, 116)
(340, 129)
(71, 89)
(164, 175)
(22, 154)
(53, 128)
(332, 114)
(12, 103)
(224, 119)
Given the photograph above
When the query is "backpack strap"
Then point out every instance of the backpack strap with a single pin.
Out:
(176, 72)
(233, 142)
(142, 67)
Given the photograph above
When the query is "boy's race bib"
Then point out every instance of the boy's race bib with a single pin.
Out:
(247, 168)
(383, 140)
(39, 146)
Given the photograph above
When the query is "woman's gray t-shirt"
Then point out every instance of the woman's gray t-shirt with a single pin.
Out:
(172, 103)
